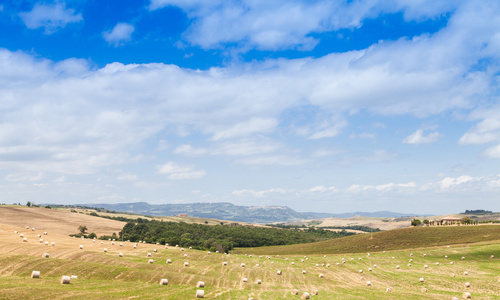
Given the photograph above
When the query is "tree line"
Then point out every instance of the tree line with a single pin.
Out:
(221, 238)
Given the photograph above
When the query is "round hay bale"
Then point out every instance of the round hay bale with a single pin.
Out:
(383, 252)
(259, 281)
(150, 261)
(81, 246)
(294, 292)
(463, 258)
(21, 235)
(25, 240)
(45, 232)
(256, 265)
(242, 265)
(466, 273)
(74, 277)
(38, 235)
(421, 279)
(467, 295)
(65, 279)
(200, 293)
(169, 261)
(120, 254)
(425, 255)
(423, 290)
(305, 295)
(369, 269)
(149, 254)
(121, 244)
(409, 265)
(35, 274)
(327, 265)
(314, 292)
(467, 284)
(200, 284)
(93, 241)
(102, 242)
(397, 267)
(388, 290)
(452, 274)
(293, 263)
(41, 240)
(208, 252)
(15, 231)
(46, 243)
(303, 271)
(411, 260)
(374, 266)
(321, 275)
(164, 281)
(425, 266)
(245, 279)
(360, 271)
(493, 256)
(446, 256)
(112, 243)
(451, 262)
(27, 227)
(437, 264)
(411, 254)
(224, 263)
(368, 283)
(53, 244)
(154, 250)
(317, 265)
(185, 255)
(186, 264)
(278, 272)
(105, 249)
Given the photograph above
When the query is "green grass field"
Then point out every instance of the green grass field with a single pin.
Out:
(108, 276)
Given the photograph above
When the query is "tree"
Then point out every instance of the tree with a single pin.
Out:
(426, 222)
(28, 204)
(415, 222)
(82, 229)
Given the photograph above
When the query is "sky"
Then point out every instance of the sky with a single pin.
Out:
(320, 105)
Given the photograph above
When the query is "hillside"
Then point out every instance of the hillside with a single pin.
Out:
(231, 212)
(106, 275)
(406, 238)
(57, 221)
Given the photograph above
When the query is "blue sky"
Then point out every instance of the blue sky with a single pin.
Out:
(330, 106)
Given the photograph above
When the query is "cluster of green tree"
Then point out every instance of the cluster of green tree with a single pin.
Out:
(489, 221)
(119, 218)
(287, 226)
(477, 212)
(221, 237)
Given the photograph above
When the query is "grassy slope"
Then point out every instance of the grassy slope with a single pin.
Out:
(407, 238)
(106, 276)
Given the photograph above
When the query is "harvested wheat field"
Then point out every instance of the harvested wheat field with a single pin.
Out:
(107, 275)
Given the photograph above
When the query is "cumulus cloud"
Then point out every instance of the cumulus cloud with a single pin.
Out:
(119, 35)
(282, 24)
(189, 150)
(177, 171)
(418, 137)
(50, 16)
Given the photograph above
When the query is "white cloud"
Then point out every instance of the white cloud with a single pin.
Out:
(260, 194)
(272, 160)
(176, 171)
(119, 35)
(51, 17)
(418, 137)
(449, 182)
(493, 152)
(254, 125)
(127, 177)
(189, 150)
(282, 24)
(24, 177)
(323, 189)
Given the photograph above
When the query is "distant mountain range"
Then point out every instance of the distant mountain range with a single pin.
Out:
(231, 212)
